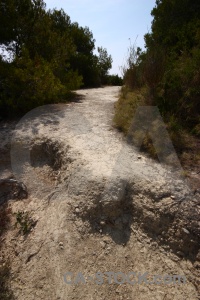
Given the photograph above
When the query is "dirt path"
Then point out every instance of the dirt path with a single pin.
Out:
(100, 207)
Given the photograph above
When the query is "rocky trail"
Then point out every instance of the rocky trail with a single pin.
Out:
(95, 204)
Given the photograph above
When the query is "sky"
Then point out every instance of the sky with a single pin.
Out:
(114, 23)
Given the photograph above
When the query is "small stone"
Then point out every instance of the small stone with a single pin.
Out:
(175, 258)
(60, 244)
(186, 231)
(154, 244)
(106, 239)
(173, 197)
(180, 253)
(77, 210)
(102, 223)
(103, 244)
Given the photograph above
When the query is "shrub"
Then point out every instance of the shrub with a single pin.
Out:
(24, 221)
(114, 80)
(5, 214)
(5, 292)
(32, 83)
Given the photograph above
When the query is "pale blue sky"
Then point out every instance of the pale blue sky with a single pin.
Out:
(112, 23)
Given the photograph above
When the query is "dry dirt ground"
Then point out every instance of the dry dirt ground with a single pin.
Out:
(97, 205)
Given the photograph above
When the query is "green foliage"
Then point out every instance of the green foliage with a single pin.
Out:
(114, 80)
(24, 221)
(170, 65)
(175, 25)
(86, 66)
(49, 56)
(168, 71)
(153, 68)
(178, 92)
(82, 38)
(104, 63)
(19, 18)
(32, 83)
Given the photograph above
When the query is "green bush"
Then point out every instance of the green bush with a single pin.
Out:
(114, 80)
(179, 91)
(49, 57)
(169, 67)
(24, 221)
(31, 83)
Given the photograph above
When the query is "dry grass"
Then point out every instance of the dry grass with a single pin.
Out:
(126, 107)
(5, 292)
(186, 145)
